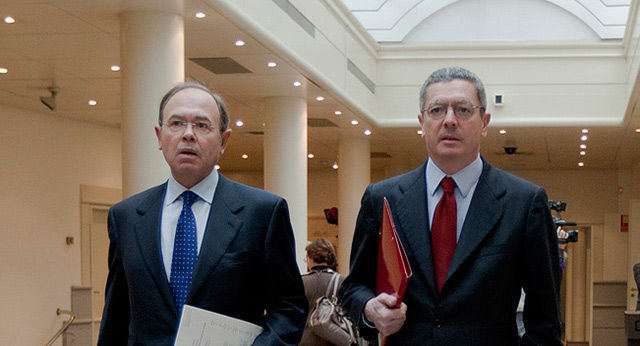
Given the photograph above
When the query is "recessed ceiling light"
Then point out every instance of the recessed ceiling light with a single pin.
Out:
(217, 167)
(9, 20)
(335, 165)
(200, 15)
(320, 98)
(239, 43)
(92, 102)
(581, 164)
(297, 84)
(583, 138)
(239, 123)
(585, 130)
(583, 153)
(354, 122)
(310, 155)
(420, 132)
(583, 146)
(245, 156)
(337, 112)
(115, 68)
(272, 64)
(367, 132)
(3, 70)
(502, 132)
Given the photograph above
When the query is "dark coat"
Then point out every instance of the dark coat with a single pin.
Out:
(246, 267)
(507, 242)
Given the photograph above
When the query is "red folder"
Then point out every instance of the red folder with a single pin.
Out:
(393, 271)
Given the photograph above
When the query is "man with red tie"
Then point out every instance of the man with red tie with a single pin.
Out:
(474, 236)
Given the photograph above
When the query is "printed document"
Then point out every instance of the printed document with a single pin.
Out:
(200, 327)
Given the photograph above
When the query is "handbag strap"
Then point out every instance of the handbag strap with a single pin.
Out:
(332, 287)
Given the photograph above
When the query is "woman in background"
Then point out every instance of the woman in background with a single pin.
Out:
(321, 264)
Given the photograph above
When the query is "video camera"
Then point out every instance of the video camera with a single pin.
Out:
(558, 221)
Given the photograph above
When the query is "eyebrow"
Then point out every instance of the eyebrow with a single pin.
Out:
(457, 101)
(198, 117)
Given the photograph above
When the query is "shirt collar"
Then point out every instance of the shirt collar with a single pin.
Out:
(205, 189)
(464, 178)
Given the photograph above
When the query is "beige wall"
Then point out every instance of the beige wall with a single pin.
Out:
(43, 162)
(45, 159)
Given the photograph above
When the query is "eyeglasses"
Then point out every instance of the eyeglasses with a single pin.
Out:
(200, 127)
(439, 111)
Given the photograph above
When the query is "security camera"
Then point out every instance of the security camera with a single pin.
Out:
(510, 150)
(50, 102)
(510, 146)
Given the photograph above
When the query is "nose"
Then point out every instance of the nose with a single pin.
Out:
(450, 118)
(189, 133)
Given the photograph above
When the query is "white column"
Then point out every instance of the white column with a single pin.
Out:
(285, 161)
(152, 61)
(354, 175)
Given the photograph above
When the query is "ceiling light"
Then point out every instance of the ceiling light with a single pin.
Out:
(115, 68)
(245, 156)
(9, 20)
(320, 98)
(239, 43)
(92, 102)
(337, 112)
(297, 84)
(585, 130)
(310, 155)
(3, 70)
(502, 132)
(272, 64)
(200, 15)
(239, 123)
(354, 122)
(217, 167)
(583, 153)
(583, 146)
(367, 132)
(583, 138)
(637, 130)
(420, 132)
(581, 164)
(335, 165)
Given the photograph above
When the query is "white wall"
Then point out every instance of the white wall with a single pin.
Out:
(44, 160)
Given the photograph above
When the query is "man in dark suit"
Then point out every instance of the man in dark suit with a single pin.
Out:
(245, 262)
(502, 238)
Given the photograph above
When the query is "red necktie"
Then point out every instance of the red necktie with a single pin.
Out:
(443, 231)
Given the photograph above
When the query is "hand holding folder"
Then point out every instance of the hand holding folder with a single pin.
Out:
(393, 270)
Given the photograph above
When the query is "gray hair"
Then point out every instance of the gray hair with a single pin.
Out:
(222, 107)
(449, 74)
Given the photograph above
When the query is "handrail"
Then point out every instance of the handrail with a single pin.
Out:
(65, 325)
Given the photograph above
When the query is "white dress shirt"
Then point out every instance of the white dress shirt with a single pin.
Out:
(172, 207)
(466, 181)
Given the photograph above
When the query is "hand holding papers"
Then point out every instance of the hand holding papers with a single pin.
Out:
(201, 327)
(393, 270)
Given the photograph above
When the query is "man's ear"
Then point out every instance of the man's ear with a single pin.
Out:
(224, 140)
(157, 128)
(485, 124)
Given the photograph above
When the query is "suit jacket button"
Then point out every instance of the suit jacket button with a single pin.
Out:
(437, 323)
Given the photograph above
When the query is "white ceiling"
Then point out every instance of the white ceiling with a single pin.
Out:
(71, 44)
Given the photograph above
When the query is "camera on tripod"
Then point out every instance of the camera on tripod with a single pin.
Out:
(559, 207)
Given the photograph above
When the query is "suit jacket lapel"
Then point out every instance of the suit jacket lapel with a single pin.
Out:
(484, 212)
(412, 222)
(222, 227)
(147, 230)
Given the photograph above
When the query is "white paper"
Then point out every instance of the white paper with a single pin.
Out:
(200, 327)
